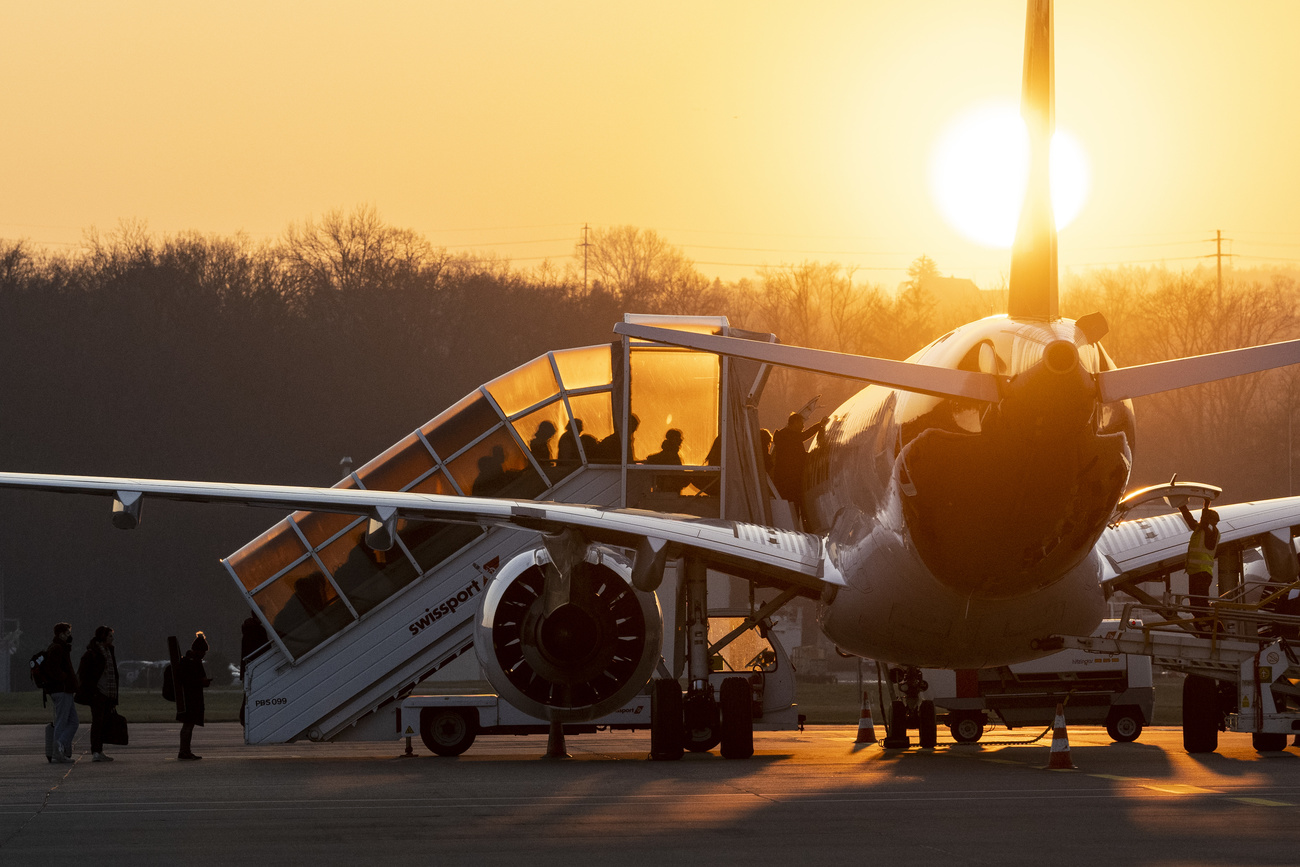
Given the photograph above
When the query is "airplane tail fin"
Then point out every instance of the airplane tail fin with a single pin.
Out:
(1033, 285)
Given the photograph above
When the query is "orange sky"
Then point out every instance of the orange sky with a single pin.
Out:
(747, 133)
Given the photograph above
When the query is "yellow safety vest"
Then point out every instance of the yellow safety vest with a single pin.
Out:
(1199, 556)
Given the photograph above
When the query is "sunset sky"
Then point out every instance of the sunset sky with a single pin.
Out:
(746, 133)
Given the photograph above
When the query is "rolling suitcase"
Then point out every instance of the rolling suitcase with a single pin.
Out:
(49, 742)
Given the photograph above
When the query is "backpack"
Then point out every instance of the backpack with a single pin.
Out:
(36, 667)
(169, 684)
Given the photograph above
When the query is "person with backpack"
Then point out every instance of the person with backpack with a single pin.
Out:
(98, 676)
(190, 678)
(61, 685)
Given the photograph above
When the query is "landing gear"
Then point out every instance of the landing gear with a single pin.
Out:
(737, 719)
(448, 731)
(910, 710)
(666, 721)
(1201, 714)
(698, 723)
(702, 722)
(927, 730)
(896, 728)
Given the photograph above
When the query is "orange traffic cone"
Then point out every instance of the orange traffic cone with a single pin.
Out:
(866, 728)
(1060, 756)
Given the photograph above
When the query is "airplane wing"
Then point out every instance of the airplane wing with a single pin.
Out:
(765, 554)
(1143, 379)
(1144, 549)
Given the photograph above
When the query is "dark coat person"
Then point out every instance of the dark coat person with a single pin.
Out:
(61, 684)
(191, 678)
(98, 675)
(789, 459)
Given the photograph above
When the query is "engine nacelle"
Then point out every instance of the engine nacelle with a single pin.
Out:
(586, 657)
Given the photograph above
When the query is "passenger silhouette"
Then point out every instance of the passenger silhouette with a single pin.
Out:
(568, 443)
(491, 473)
(610, 449)
(540, 444)
(669, 454)
(789, 458)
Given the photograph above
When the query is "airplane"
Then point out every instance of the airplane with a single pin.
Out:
(954, 506)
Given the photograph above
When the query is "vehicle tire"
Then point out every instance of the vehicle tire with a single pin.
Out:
(927, 730)
(1124, 725)
(896, 728)
(666, 720)
(966, 728)
(448, 731)
(737, 709)
(1200, 714)
(702, 726)
(1268, 742)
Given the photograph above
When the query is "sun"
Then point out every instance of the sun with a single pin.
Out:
(979, 170)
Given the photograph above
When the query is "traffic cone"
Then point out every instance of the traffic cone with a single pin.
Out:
(1060, 756)
(866, 728)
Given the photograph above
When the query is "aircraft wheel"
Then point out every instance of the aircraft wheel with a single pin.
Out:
(1268, 742)
(448, 731)
(1124, 725)
(703, 727)
(896, 727)
(666, 720)
(927, 730)
(737, 719)
(1200, 714)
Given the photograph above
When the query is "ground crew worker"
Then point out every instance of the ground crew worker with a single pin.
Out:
(1200, 558)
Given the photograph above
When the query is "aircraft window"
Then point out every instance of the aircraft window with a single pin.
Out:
(266, 555)
(584, 368)
(367, 577)
(674, 390)
(597, 416)
(396, 468)
(303, 608)
(543, 431)
(524, 386)
(496, 467)
(747, 652)
(455, 428)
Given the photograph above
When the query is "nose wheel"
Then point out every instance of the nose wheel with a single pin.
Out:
(909, 710)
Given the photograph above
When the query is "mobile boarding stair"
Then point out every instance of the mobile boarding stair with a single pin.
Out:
(353, 629)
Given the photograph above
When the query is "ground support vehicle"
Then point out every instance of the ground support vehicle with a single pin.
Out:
(1234, 682)
(1114, 689)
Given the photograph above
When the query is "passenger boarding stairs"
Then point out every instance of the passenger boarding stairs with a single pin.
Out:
(353, 629)
(350, 686)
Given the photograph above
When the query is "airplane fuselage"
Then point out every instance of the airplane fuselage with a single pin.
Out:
(965, 529)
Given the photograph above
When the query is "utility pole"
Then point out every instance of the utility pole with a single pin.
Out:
(585, 244)
(1218, 258)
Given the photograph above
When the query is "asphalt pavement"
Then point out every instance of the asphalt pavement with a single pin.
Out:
(812, 797)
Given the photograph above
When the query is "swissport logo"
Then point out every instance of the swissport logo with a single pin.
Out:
(433, 613)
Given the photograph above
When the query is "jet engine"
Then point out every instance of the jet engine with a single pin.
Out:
(568, 647)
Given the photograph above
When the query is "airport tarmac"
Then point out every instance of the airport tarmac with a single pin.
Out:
(810, 797)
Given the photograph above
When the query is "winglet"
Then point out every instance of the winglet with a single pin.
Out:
(1033, 287)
